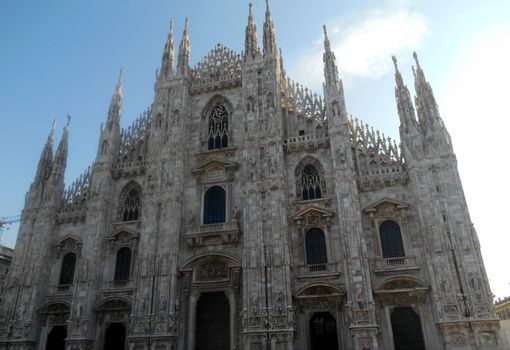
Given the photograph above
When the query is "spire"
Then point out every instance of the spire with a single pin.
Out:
(269, 34)
(330, 69)
(184, 51)
(251, 46)
(60, 160)
(434, 130)
(426, 105)
(404, 102)
(116, 103)
(167, 65)
(44, 166)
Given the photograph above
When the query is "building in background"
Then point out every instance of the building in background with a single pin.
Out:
(243, 211)
(503, 312)
(5, 263)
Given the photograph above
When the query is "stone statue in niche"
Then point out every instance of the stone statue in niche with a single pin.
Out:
(235, 213)
(359, 294)
(162, 303)
(191, 219)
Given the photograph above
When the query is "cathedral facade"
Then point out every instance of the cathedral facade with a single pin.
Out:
(242, 211)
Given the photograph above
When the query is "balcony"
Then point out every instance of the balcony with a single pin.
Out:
(61, 290)
(118, 286)
(212, 234)
(318, 271)
(403, 263)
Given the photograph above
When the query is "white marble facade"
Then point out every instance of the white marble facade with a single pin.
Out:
(243, 211)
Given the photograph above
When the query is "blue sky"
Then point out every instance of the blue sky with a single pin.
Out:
(60, 57)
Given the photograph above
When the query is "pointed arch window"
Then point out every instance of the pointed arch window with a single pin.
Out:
(67, 271)
(218, 128)
(391, 240)
(123, 264)
(316, 247)
(310, 183)
(214, 205)
(131, 205)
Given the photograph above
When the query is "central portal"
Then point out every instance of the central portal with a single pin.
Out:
(213, 322)
(323, 332)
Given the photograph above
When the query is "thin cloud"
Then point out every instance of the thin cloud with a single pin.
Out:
(363, 43)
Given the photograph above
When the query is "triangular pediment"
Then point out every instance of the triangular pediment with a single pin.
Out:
(123, 232)
(313, 211)
(69, 242)
(214, 163)
(386, 201)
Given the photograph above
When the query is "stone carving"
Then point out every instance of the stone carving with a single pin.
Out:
(358, 292)
(213, 270)
(75, 198)
(221, 64)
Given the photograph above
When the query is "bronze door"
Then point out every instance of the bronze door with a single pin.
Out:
(56, 338)
(213, 322)
(323, 332)
(406, 327)
(115, 337)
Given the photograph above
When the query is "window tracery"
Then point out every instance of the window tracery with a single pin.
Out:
(131, 204)
(218, 127)
(310, 183)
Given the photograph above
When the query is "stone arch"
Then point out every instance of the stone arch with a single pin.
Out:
(402, 282)
(217, 100)
(55, 307)
(319, 290)
(233, 260)
(52, 313)
(113, 303)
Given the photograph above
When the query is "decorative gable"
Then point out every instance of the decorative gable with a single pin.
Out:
(215, 170)
(386, 207)
(123, 235)
(68, 243)
(313, 216)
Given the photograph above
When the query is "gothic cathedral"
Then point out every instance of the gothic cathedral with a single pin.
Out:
(243, 212)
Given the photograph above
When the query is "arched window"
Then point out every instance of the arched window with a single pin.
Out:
(316, 247)
(123, 265)
(214, 205)
(68, 266)
(310, 183)
(391, 240)
(218, 128)
(131, 205)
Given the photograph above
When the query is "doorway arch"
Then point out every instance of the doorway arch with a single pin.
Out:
(323, 334)
(57, 338)
(115, 337)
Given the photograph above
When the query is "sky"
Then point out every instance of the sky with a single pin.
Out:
(59, 57)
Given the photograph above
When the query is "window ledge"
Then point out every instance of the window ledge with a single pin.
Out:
(133, 225)
(404, 263)
(226, 150)
(61, 289)
(324, 201)
(118, 286)
(318, 271)
(213, 234)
